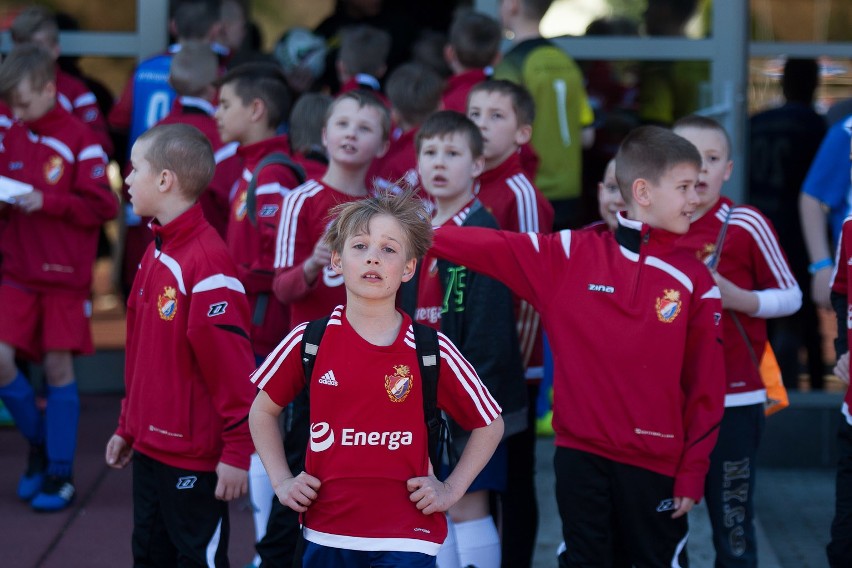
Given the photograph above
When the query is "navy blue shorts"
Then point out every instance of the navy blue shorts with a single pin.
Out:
(493, 476)
(319, 556)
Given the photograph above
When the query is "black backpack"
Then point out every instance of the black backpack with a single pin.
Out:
(251, 192)
(428, 358)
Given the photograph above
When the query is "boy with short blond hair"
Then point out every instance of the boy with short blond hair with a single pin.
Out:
(367, 445)
(755, 281)
(414, 91)
(189, 444)
(355, 133)
(50, 238)
(474, 46)
(476, 313)
(632, 288)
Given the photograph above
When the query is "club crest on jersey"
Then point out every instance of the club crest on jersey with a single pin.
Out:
(668, 307)
(53, 170)
(167, 303)
(399, 384)
(706, 251)
(242, 207)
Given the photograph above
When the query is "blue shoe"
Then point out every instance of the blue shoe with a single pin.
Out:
(56, 494)
(33, 479)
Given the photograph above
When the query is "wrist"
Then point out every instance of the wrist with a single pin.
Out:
(821, 264)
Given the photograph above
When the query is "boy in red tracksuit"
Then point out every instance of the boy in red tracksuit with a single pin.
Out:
(474, 45)
(48, 247)
(184, 415)
(192, 73)
(755, 281)
(633, 432)
(253, 100)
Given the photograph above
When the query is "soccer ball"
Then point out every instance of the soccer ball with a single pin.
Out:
(300, 48)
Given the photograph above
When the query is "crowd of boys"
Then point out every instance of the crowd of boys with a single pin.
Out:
(426, 205)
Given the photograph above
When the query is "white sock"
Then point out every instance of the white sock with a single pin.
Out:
(448, 554)
(478, 543)
(260, 494)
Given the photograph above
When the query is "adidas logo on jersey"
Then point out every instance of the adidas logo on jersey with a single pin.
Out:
(328, 379)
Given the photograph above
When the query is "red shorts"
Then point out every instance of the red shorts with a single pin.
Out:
(37, 322)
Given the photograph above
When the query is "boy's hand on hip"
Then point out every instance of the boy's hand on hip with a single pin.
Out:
(298, 492)
(233, 482)
(682, 506)
(430, 495)
(118, 452)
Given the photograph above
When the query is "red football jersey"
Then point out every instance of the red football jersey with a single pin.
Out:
(368, 435)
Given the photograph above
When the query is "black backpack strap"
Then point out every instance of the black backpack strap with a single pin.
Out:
(429, 359)
(297, 415)
(311, 339)
(273, 158)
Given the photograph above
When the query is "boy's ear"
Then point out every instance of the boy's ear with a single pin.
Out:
(336, 263)
(641, 191)
(50, 87)
(408, 271)
(478, 166)
(257, 110)
(729, 167)
(166, 181)
(383, 149)
(523, 135)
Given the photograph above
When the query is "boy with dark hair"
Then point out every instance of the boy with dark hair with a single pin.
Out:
(473, 311)
(355, 133)
(253, 101)
(368, 443)
(414, 91)
(563, 122)
(474, 46)
(48, 247)
(190, 443)
(37, 24)
(362, 59)
(504, 113)
(740, 246)
(624, 480)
